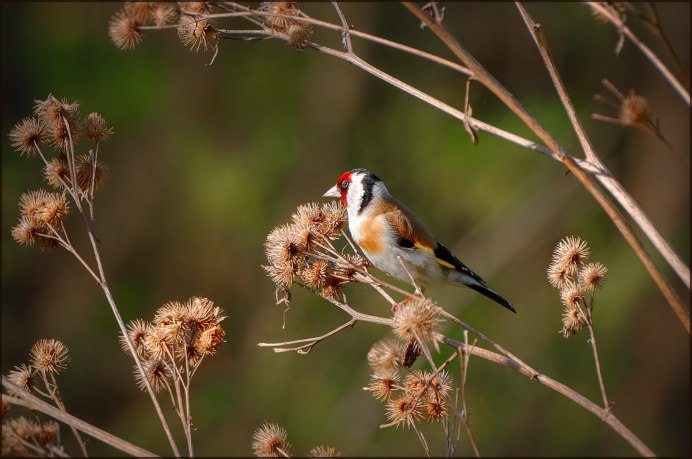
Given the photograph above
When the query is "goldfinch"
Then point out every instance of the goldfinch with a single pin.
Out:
(389, 234)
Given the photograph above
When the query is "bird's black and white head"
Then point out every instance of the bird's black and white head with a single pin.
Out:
(357, 188)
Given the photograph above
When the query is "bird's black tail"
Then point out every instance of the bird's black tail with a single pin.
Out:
(492, 295)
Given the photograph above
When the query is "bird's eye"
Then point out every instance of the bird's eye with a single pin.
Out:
(344, 184)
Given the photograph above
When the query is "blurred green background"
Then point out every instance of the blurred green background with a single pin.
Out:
(206, 160)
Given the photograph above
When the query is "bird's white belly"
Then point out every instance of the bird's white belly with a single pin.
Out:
(419, 264)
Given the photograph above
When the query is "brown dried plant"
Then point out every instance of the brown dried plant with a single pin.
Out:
(270, 440)
(577, 282)
(166, 352)
(22, 437)
(303, 253)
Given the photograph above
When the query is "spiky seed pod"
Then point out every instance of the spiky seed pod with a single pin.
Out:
(27, 231)
(559, 274)
(23, 376)
(417, 318)
(592, 276)
(57, 171)
(196, 7)
(270, 441)
(385, 355)
(197, 33)
(124, 31)
(87, 172)
(210, 339)
(28, 136)
(298, 33)
(324, 451)
(201, 313)
(49, 355)
(571, 252)
(139, 11)
(163, 14)
(572, 321)
(52, 112)
(404, 410)
(156, 372)
(634, 111)
(95, 128)
(435, 408)
(137, 330)
(383, 383)
(572, 294)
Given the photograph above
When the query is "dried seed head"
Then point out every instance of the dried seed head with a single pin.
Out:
(316, 274)
(48, 434)
(210, 339)
(46, 208)
(197, 33)
(157, 373)
(137, 330)
(53, 112)
(383, 383)
(324, 451)
(158, 342)
(332, 288)
(95, 128)
(404, 410)
(571, 252)
(592, 276)
(56, 171)
(298, 33)
(559, 274)
(572, 294)
(201, 313)
(27, 231)
(139, 11)
(634, 111)
(196, 7)
(318, 221)
(163, 14)
(270, 441)
(124, 31)
(49, 355)
(385, 355)
(417, 318)
(435, 408)
(28, 136)
(88, 172)
(170, 313)
(23, 376)
(421, 383)
(284, 255)
(572, 321)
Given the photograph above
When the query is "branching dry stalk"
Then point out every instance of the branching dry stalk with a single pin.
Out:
(289, 263)
(605, 11)
(24, 398)
(488, 80)
(260, 18)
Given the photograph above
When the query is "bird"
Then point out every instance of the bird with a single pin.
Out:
(396, 242)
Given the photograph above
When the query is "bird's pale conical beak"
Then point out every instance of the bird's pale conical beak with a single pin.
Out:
(333, 192)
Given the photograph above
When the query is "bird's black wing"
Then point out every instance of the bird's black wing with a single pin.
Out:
(443, 254)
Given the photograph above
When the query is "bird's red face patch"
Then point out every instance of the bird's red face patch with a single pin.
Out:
(342, 184)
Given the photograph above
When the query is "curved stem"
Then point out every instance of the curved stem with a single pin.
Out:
(26, 399)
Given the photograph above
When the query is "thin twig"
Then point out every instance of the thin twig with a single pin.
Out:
(650, 55)
(605, 415)
(487, 79)
(306, 344)
(26, 399)
(346, 33)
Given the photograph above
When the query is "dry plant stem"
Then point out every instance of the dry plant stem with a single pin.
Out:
(620, 26)
(605, 415)
(23, 398)
(101, 279)
(659, 242)
(464, 362)
(655, 24)
(306, 344)
(600, 172)
(346, 29)
(592, 340)
(52, 387)
(483, 76)
(351, 32)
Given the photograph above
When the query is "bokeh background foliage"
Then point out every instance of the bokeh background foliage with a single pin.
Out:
(206, 160)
